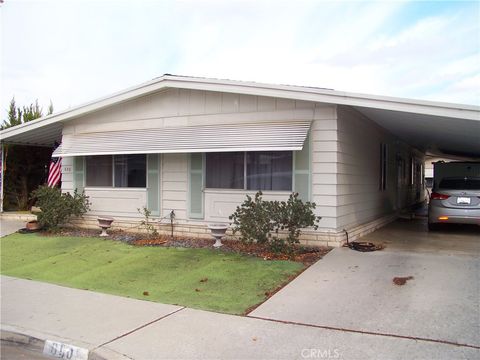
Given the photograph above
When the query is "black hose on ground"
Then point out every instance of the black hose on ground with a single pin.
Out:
(362, 246)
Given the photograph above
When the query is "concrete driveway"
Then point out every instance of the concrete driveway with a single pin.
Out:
(9, 226)
(354, 291)
(413, 236)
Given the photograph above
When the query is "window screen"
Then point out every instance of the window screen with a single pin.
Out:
(225, 170)
(269, 170)
(117, 170)
(99, 170)
(264, 170)
(130, 170)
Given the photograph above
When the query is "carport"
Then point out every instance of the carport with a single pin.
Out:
(437, 136)
(440, 136)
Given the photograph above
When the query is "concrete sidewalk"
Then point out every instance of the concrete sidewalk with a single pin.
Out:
(118, 328)
(9, 226)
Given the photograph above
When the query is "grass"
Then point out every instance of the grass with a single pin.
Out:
(198, 278)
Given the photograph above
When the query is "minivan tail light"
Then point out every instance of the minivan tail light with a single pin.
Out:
(438, 196)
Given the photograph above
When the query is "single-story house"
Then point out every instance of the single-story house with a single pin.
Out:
(197, 146)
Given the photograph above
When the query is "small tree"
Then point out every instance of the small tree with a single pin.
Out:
(57, 207)
(148, 223)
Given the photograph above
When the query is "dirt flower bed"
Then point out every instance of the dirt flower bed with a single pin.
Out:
(305, 254)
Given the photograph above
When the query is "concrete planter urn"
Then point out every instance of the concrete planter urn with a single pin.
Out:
(218, 231)
(32, 225)
(105, 223)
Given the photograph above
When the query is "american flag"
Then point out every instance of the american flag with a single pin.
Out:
(55, 171)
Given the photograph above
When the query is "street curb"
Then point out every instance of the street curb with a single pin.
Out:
(37, 345)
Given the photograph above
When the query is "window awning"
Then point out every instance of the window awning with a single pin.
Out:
(208, 138)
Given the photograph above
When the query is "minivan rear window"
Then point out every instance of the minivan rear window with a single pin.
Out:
(460, 184)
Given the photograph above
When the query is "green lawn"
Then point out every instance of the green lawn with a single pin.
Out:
(231, 282)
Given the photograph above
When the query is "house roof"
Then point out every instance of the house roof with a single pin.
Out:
(434, 127)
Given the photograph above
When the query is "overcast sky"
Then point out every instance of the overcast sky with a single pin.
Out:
(72, 52)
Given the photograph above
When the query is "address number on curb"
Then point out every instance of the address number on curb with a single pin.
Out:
(64, 351)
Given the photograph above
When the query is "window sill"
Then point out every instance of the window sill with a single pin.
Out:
(108, 188)
(246, 192)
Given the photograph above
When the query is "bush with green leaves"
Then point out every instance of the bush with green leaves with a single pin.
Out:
(57, 207)
(292, 216)
(253, 220)
(264, 222)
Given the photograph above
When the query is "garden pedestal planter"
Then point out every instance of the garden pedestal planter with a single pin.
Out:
(105, 223)
(218, 231)
(32, 225)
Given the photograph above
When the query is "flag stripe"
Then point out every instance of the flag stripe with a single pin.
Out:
(54, 172)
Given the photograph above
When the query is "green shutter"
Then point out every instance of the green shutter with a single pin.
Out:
(195, 187)
(79, 173)
(301, 176)
(153, 184)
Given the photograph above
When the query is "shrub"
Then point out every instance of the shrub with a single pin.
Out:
(257, 219)
(292, 216)
(253, 220)
(57, 207)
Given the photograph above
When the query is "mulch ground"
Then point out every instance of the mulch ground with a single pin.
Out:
(304, 254)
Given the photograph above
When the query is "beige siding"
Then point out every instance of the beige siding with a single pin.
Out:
(359, 198)
(324, 165)
(177, 107)
(116, 202)
(220, 204)
(67, 174)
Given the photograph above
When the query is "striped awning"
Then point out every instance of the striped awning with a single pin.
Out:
(209, 138)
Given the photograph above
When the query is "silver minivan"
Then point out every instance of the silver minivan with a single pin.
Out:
(455, 200)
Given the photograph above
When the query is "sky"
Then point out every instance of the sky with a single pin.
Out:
(71, 52)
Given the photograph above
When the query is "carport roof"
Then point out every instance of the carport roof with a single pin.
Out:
(433, 127)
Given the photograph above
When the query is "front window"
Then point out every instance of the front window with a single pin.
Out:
(225, 170)
(130, 170)
(116, 170)
(261, 170)
(99, 170)
(270, 170)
